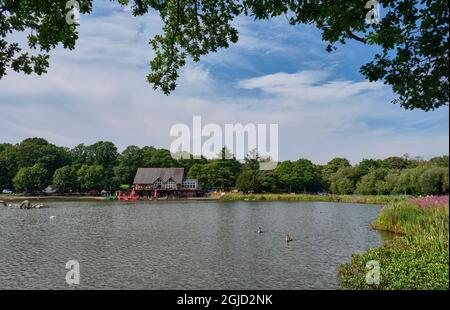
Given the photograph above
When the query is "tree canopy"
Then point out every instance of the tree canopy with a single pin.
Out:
(412, 37)
(33, 164)
(30, 179)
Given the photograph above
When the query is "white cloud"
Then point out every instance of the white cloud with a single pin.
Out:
(308, 85)
(99, 92)
(325, 118)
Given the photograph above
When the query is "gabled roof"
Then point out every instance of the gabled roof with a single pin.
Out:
(150, 175)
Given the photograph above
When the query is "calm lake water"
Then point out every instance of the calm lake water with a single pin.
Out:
(183, 245)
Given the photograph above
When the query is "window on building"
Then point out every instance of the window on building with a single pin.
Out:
(158, 183)
(190, 184)
(170, 184)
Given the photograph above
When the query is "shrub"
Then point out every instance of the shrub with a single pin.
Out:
(403, 266)
(418, 259)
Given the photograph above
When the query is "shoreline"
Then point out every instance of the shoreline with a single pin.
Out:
(15, 198)
(359, 199)
(50, 198)
(229, 197)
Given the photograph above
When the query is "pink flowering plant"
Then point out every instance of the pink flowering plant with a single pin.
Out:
(430, 201)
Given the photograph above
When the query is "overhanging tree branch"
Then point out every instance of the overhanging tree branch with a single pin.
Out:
(355, 37)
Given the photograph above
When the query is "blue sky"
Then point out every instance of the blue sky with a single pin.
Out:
(276, 73)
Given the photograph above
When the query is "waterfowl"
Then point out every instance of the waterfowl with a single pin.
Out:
(259, 231)
(52, 217)
(288, 238)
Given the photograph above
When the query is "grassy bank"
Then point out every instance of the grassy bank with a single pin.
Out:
(417, 259)
(375, 199)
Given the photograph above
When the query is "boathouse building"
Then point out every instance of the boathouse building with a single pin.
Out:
(164, 182)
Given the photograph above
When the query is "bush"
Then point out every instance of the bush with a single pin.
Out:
(431, 181)
(342, 186)
(248, 181)
(403, 266)
(418, 259)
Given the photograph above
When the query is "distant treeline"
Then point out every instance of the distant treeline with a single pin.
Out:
(34, 164)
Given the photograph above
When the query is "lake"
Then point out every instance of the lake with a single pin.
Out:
(183, 245)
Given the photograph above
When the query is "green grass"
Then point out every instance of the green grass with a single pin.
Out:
(408, 219)
(364, 199)
(417, 259)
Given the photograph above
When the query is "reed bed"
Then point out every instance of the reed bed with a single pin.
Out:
(362, 199)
